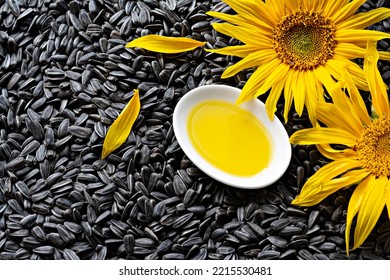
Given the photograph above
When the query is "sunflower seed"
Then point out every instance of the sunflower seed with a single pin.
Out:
(280, 224)
(268, 255)
(173, 256)
(306, 255)
(44, 250)
(277, 241)
(70, 255)
(299, 243)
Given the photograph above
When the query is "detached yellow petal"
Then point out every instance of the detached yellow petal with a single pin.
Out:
(162, 44)
(121, 127)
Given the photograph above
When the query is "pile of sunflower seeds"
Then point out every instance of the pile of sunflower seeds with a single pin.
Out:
(64, 78)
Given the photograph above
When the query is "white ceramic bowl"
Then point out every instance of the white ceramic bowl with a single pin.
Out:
(279, 141)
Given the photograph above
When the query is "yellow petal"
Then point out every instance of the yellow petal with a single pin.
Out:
(316, 5)
(273, 98)
(334, 117)
(252, 10)
(347, 10)
(121, 127)
(323, 75)
(343, 109)
(277, 74)
(363, 20)
(257, 78)
(388, 198)
(246, 35)
(354, 205)
(327, 151)
(334, 169)
(257, 58)
(323, 135)
(338, 64)
(291, 6)
(332, 6)
(300, 93)
(266, 13)
(314, 192)
(349, 51)
(240, 21)
(162, 44)
(384, 55)
(240, 50)
(311, 98)
(277, 7)
(359, 107)
(288, 93)
(371, 208)
(380, 99)
(358, 37)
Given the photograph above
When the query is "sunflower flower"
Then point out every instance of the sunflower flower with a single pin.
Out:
(365, 159)
(298, 46)
(121, 127)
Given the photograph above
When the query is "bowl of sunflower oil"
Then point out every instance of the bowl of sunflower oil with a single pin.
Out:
(237, 145)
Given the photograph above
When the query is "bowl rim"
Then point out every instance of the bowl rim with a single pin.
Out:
(280, 156)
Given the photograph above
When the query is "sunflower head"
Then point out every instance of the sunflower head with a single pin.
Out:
(304, 39)
(373, 147)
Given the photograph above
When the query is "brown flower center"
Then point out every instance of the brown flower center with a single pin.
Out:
(304, 39)
(374, 147)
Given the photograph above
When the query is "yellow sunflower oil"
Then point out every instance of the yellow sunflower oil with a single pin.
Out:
(229, 137)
